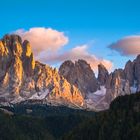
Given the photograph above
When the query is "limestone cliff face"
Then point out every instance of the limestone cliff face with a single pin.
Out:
(103, 74)
(23, 78)
(28, 59)
(15, 75)
(129, 72)
(4, 60)
(136, 65)
(116, 85)
(81, 75)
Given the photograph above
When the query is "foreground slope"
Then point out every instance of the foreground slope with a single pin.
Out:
(39, 122)
(120, 122)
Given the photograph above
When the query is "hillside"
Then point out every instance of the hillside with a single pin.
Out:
(120, 122)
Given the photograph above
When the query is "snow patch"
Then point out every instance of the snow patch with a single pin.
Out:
(40, 95)
(133, 89)
(102, 91)
(95, 98)
(17, 100)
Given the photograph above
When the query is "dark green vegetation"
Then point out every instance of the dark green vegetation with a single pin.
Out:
(40, 122)
(120, 122)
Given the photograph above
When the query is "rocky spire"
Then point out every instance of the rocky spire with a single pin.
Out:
(137, 69)
(4, 60)
(116, 85)
(102, 74)
(26, 49)
(129, 72)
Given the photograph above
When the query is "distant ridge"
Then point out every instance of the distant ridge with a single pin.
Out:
(74, 85)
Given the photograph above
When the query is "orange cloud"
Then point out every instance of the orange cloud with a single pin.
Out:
(43, 39)
(79, 52)
(127, 46)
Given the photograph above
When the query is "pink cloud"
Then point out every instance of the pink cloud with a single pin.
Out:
(127, 46)
(79, 52)
(43, 39)
(46, 43)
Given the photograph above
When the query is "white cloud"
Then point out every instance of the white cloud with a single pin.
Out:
(46, 43)
(79, 52)
(43, 39)
(127, 46)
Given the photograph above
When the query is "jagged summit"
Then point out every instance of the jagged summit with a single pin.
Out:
(23, 78)
(74, 84)
(79, 74)
(103, 74)
(99, 92)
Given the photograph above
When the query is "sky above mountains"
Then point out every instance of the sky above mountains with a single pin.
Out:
(99, 31)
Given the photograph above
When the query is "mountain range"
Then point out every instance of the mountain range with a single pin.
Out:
(74, 84)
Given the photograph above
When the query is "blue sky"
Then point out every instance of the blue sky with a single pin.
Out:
(95, 22)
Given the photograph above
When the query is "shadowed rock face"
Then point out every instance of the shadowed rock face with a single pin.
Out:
(132, 73)
(28, 59)
(124, 81)
(136, 67)
(116, 85)
(129, 72)
(102, 74)
(23, 78)
(79, 74)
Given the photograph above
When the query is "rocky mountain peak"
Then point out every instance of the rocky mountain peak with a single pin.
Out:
(129, 72)
(138, 58)
(11, 40)
(23, 78)
(79, 74)
(66, 69)
(102, 74)
(83, 64)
